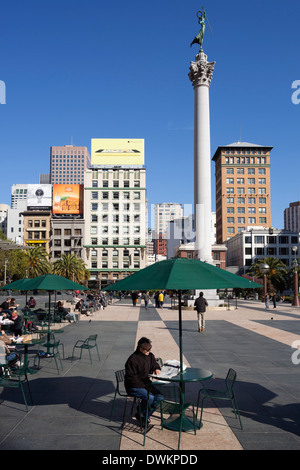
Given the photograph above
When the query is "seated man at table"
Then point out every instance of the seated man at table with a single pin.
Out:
(6, 305)
(137, 382)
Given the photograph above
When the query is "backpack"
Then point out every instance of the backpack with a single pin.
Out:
(30, 326)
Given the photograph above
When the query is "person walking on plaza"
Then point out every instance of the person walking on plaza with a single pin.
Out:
(274, 300)
(161, 300)
(137, 382)
(156, 299)
(267, 301)
(134, 297)
(146, 298)
(200, 305)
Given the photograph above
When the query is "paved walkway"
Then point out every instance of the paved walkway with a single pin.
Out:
(71, 410)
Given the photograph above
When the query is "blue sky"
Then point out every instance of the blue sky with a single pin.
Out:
(79, 70)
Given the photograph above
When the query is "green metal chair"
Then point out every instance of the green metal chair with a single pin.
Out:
(226, 394)
(120, 390)
(52, 352)
(88, 344)
(174, 404)
(50, 343)
(14, 378)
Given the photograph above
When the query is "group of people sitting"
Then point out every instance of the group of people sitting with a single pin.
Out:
(9, 311)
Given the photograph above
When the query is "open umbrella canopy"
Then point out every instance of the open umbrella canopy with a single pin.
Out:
(182, 274)
(20, 284)
(50, 282)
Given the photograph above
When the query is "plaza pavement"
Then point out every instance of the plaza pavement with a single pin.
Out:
(71, 410)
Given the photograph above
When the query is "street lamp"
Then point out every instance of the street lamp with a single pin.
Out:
(295, 302)
(264, 269)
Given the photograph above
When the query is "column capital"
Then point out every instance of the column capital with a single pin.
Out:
(201, 71)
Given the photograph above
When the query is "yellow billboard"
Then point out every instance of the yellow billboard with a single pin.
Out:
(117, 152)
(67, 199)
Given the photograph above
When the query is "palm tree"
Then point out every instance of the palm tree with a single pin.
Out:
(37, 261)
(276, 276)
(71, 267)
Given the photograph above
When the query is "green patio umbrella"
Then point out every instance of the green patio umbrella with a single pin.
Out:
(20, 284)
(16, 285)
(180, 274)
(48, 282)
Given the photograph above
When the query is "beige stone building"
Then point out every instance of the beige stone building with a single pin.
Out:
(243, 193)
(37, 228)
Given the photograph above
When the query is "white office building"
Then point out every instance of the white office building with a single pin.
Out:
(247, 247)
(115, 221)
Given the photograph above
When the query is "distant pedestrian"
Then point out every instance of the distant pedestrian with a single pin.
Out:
(200, 305)
(146, 298)
(161, 300)
(134, 297)
(267, 301)
(156, 299)
(274, 300)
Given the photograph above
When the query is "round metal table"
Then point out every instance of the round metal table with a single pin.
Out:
(190, 374)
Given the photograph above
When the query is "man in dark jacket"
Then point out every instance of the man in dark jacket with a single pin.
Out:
(137, 382)
(200, 305)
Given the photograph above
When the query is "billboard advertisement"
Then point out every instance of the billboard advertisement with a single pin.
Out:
(117, 152)
(67, 199)
(39, 197)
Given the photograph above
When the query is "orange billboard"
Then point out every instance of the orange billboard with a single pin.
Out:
(67, 199)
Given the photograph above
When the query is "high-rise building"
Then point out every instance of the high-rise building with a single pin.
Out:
(68, 164)
(18, 192)
(164, 213)
(115, 210)
(243, 195)
(292, 217)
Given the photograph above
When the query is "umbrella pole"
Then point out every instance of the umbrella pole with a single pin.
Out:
(180, 331)
(49, 315)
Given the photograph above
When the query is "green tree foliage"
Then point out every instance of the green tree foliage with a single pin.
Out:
(71, 267)
(277, 275)
(37, 262)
